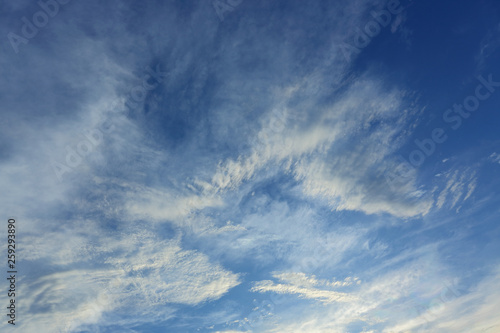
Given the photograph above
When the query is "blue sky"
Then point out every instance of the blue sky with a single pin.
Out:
(251, 166)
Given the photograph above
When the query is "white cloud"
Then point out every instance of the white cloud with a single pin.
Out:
(101, 269)
(489, 44)
(378, 302)
(303, 280)
(299, 283)
(270, 230)
(325, 296)
(495, 158)
(169, 274)
(136, 270)
(160, 205)
(458, 186)
(475, 311)
(340, 154)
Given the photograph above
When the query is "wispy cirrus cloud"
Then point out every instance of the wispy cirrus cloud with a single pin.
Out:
(457, 187)
(262, 153)
(473, 312)
(137, 270)
(306, 287)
